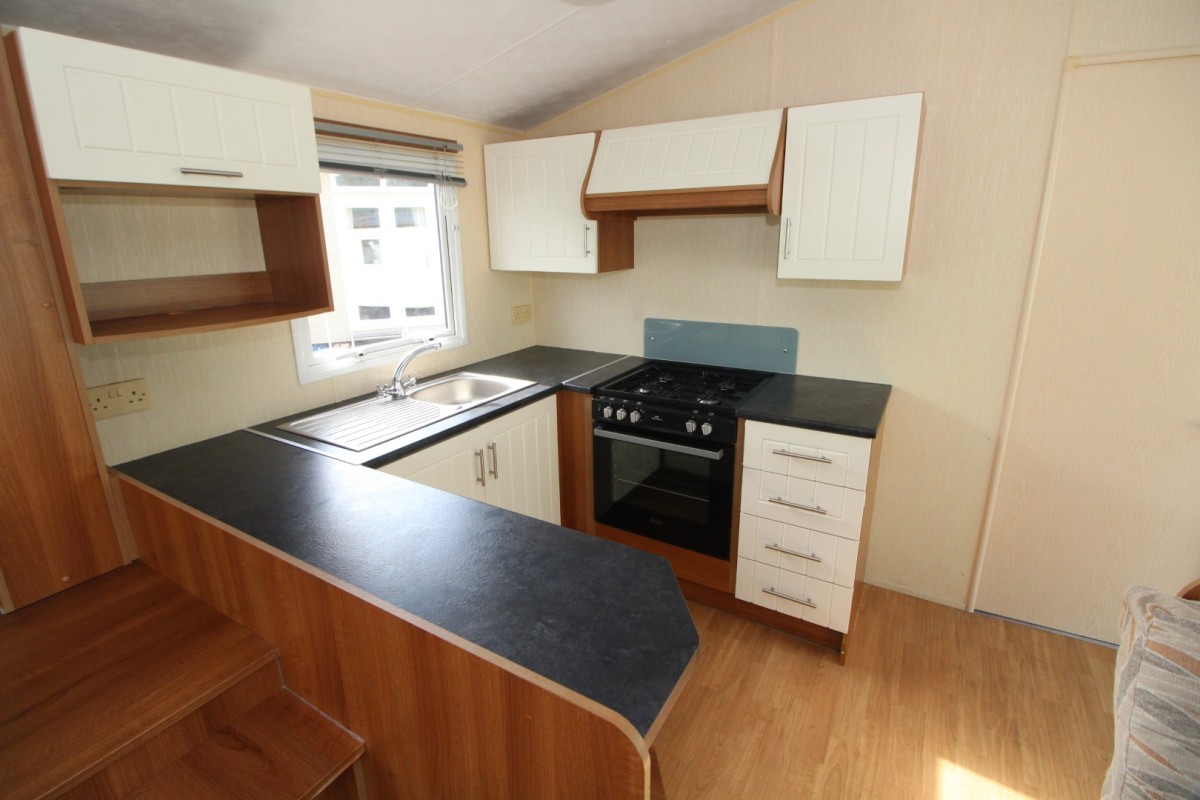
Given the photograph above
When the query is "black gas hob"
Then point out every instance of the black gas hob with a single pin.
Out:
(677, 399)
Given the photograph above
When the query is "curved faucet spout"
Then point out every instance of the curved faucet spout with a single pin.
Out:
(399, 385)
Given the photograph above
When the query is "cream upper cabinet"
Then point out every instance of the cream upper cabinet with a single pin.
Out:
(726, 152)
(535, 215)
(847, 188)
(111, 114)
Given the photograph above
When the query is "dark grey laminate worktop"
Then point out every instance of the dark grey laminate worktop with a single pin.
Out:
(604, 620)
(850, 407)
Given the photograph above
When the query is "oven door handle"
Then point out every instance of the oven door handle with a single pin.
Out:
(711, 455)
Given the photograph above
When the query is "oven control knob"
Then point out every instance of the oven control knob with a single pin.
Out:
(635, 415)
(706, 428)
(607, 412)
(620, 414)
(690, 426)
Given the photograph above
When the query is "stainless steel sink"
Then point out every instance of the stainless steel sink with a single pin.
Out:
(368, 423)
(465, 389)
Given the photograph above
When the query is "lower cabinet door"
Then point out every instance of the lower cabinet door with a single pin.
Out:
(455, 465)
(510, 462)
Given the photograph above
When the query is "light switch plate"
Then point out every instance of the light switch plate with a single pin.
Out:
(112, 399)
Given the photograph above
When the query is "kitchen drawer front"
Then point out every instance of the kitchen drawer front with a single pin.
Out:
(812, 455)
(807, 552)
(841, 509)
(804, 597)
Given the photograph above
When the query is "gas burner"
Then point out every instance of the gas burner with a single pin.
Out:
(719, 388)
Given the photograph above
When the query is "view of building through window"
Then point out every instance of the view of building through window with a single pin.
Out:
(385, 238)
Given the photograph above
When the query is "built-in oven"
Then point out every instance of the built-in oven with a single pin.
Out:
(663, 444)
(675, 491)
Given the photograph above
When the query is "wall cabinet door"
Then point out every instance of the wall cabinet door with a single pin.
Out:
(535, 213)
(847, 189)
(510, 462)
(111, 114)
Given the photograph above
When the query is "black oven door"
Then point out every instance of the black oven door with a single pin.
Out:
(678, 492)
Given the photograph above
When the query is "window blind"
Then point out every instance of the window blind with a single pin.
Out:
(382, 152)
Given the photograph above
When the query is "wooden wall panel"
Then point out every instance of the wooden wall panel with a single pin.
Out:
(440, 716)
(56, 525)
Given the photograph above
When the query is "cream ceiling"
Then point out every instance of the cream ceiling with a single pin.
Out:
(513, 63)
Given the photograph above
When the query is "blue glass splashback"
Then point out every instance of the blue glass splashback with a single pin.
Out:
(722, 344)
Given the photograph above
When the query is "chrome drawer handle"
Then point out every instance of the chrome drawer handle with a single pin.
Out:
(779, 501)
(771, 590)
(495, 470)
(481, 478)
(786, 552)
(818, 459)
(221, 173)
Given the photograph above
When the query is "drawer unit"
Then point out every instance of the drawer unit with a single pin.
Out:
(802, 508)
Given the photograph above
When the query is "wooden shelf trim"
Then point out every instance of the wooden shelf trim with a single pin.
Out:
(150, 296)
(197, 321)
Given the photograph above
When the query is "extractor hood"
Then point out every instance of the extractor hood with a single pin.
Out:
(717, 165)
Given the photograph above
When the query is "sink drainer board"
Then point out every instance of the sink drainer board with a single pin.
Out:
(362, 425)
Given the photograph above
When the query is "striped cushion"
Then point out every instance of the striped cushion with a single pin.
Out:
(1156, 699)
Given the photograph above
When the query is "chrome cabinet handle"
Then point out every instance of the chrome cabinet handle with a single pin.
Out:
(787, 239)
(779, 501)
(818, 459)
(587, 250)
(495, 470)
(771, 590)
(482, 476)
(222, 173)
(787, 552)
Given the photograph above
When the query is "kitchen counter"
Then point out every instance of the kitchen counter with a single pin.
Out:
(824, 404)
(601, 619)
(604, 620)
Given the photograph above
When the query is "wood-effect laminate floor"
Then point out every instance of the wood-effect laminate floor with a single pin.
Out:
(932, 703)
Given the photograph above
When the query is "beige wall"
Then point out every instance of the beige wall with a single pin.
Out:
(207, 384)
(944, 337)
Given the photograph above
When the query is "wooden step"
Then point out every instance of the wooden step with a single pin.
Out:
(127, 681)
(281, 748)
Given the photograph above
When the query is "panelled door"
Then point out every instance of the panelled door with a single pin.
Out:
(1099, 483)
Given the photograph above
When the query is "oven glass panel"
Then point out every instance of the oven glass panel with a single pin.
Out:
(674, 497)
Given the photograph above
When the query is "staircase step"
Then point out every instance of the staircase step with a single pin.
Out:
(93, 672)
(282, 748)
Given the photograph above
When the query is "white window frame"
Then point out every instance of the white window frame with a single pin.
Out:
(310, 369)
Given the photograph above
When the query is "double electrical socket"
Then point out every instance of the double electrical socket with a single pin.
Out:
(522, 314)
(119, 398)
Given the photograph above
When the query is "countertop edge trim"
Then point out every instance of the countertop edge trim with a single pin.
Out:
(622, 724)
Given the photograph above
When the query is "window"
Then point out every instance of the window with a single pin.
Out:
(364, 217)
(410, 217)
(395, 287)
(390, 214)
(370, 252)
